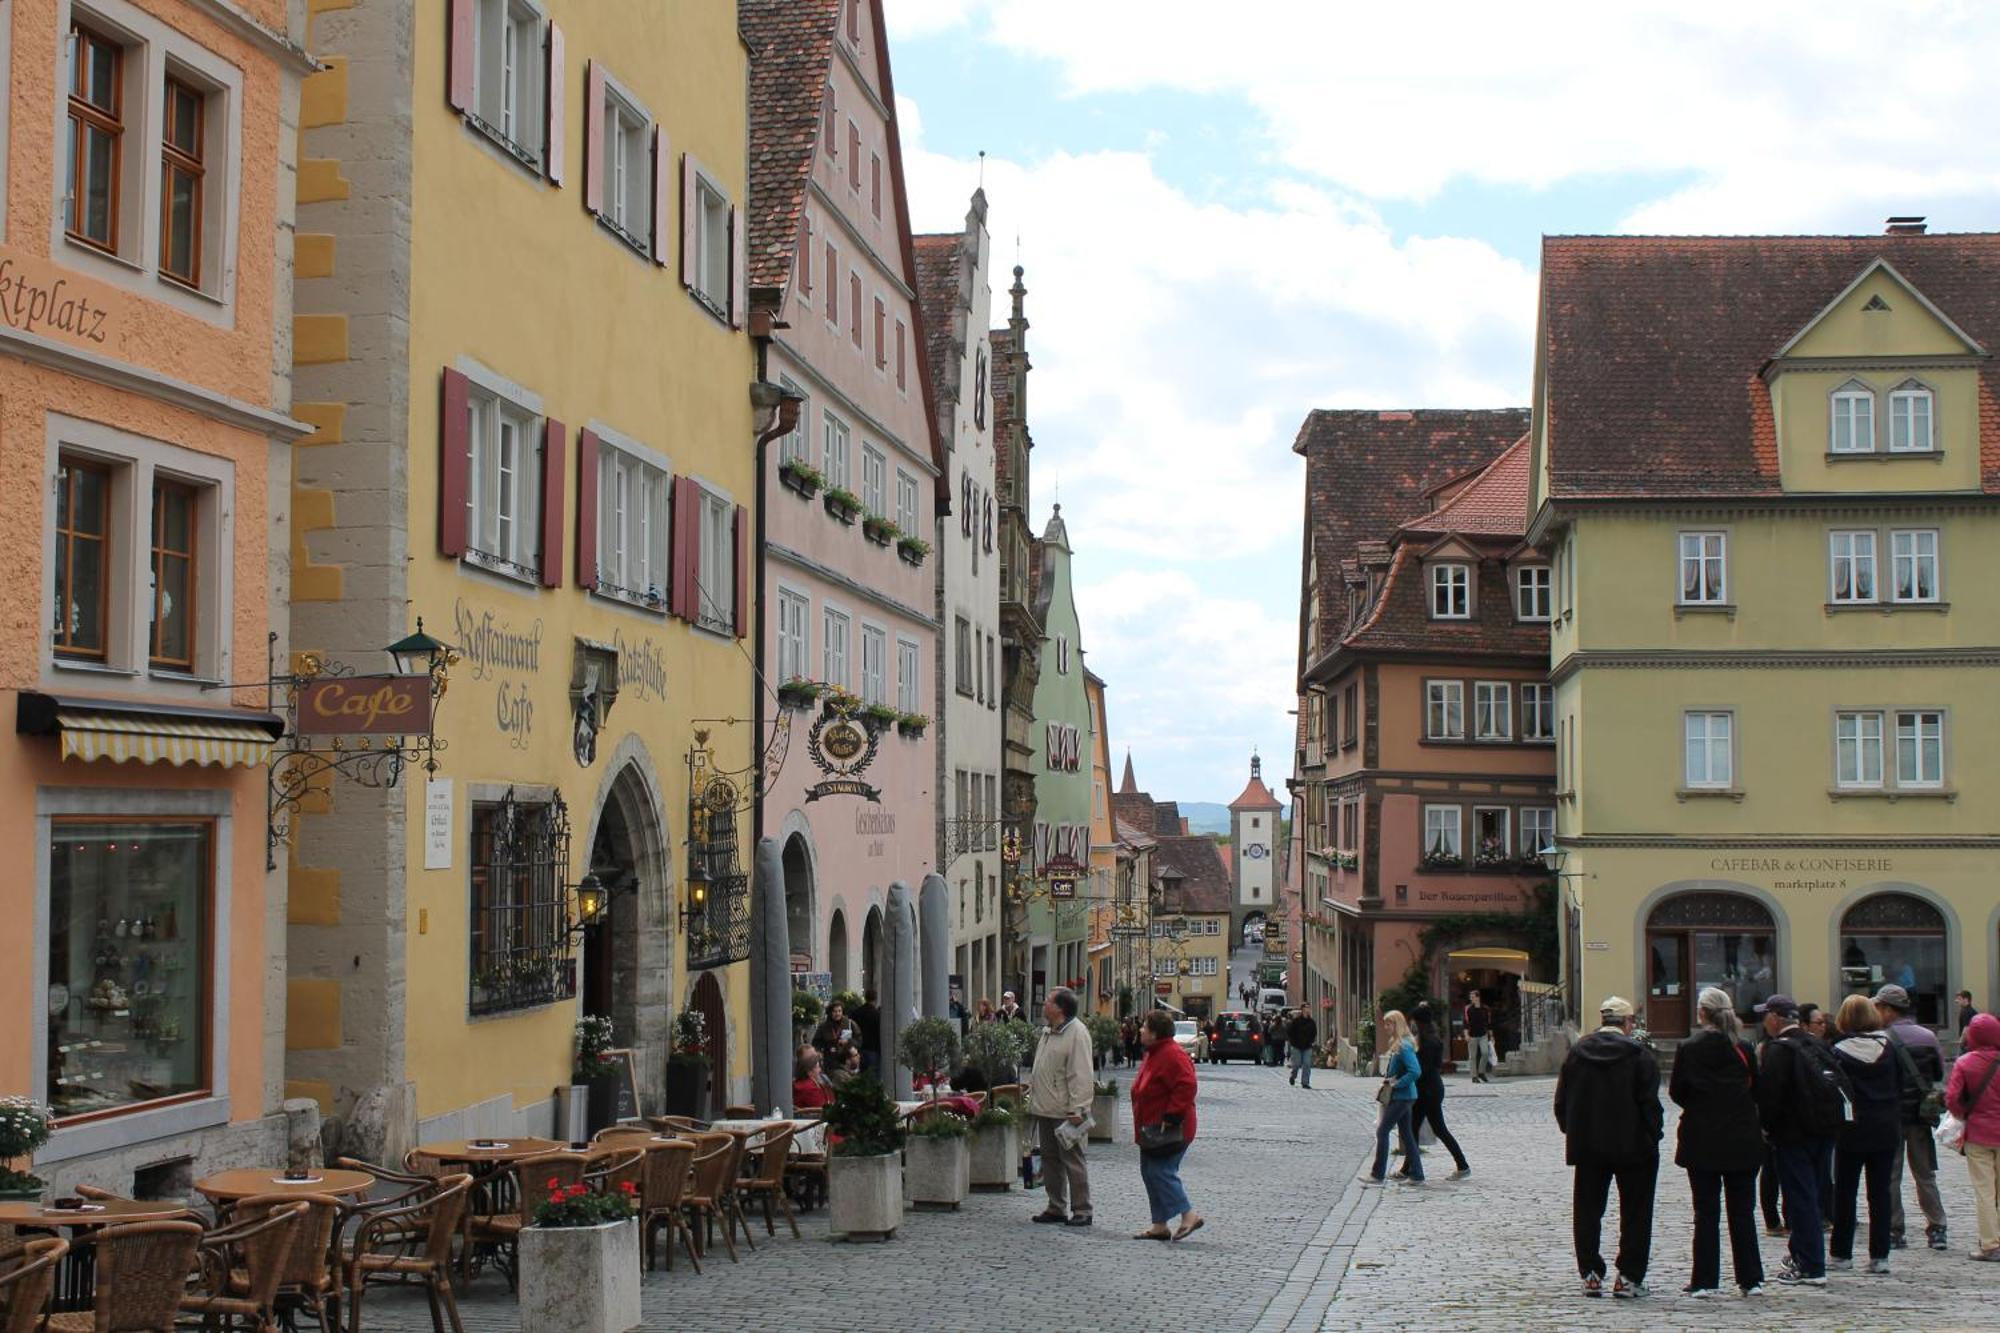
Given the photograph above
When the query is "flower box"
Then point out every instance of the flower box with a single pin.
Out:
(802, 479)
(880, 716)
(845, 506)
(798, 693)
(865, 1195)
(580, 1278)
(912, 549)
(878, 530)
(937, 1170)
(996, 1156)
(910, 726)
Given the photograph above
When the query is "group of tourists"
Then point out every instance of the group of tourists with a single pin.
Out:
(1819, 1113)
(1412, 1097)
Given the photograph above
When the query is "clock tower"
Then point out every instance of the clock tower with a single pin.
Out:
(1253, 828)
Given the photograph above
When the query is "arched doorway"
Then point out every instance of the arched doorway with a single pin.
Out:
(1707, 938)
(1253, 931)
(707, 1000)
(626, 966)
(836, 949)
(1896, 938)
(872, 969)
(799, 898)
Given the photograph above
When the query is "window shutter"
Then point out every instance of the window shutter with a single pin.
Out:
(739, 268)
(742, 571)
(586, 508)
(881, 334)
(690, 223)
(806, 259)
(454, 462)
(832, 278)
(555, 151)
(593, 138)
(553, 471)
(875, 183)
(902, 350)
(462, 53)
(687, 548)
(663, 197)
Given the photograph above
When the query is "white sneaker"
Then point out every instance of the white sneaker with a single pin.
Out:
(1460, 1174)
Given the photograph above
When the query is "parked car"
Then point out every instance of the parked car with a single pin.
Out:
(1187, 1036)
(1235, 1035)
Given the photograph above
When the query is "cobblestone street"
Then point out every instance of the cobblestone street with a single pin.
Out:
(1293, 1243)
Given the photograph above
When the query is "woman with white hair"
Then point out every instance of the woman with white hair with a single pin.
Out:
(1721, 1143)
(1398, 1097)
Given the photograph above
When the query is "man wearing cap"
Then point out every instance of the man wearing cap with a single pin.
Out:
(1608, 1108)
(1010, 1008)
(1803, 1150)
(1916, 1048)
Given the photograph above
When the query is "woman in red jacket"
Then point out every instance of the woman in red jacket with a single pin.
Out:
(1163, 1094)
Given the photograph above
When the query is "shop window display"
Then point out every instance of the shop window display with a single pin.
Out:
(1896, 938)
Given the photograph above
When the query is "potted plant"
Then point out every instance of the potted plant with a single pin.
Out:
(912, 549)
(1104, 1111)
(995, 1157)
(937, 1159)
(910, 726)
(842, 503)
(799, 693)
(880, 716)
(864, 1165)
(595, 1070)
(687, 1064)
(579, 1260)
(836, 700)
(25, 1125)
(801, 476)
(879, 530)
(929, 1047)
(806, 1013)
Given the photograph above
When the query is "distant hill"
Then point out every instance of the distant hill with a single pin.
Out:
(1206, 817)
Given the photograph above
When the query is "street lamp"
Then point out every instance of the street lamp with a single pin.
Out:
(697, 897)
(1554, 858)
(417, 654)
(591, 900)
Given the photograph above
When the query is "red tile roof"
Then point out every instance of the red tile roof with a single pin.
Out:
(791, 44)
(940, 265)
(1493, 503)
(1204, 881)
(1400, 620)
(1256, 796)
(1653, 348)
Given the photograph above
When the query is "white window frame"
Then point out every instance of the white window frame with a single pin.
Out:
(1506, 847)
(794, 634)
(1911, 405)
(628, 166)
(874, 664)
(1536, 829)
(836, 628)
(874, 481)
(835, 438)
(1853, 550)
(1858, 737)
(503, 480)
(1916, 549)
(964, 662)
(796, 447)
(1702, 548)
(1444, 831)
(715, 575)
(634, 523)
(906, 504)
(1913, 721)
(1851, 419)
(712, 211)
(909, 674)
(1538, 712)
(1492, 710)
(1450, 584)
(1534, 587)
(1715, 731)
(1448, 695)
(510, 71)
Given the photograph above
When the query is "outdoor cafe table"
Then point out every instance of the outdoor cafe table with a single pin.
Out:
(501, 1152)
(811, 1137)
(228, 1187)
(76, 1286)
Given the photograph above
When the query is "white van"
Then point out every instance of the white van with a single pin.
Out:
(1271, 998)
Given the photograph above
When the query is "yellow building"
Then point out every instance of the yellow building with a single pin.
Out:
(1765, 469)
(521, 336)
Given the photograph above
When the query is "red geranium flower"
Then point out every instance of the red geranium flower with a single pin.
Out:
(627, 1187)
(554, 1184)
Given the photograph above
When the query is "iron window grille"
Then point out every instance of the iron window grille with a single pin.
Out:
(520, 912)
(718, 927)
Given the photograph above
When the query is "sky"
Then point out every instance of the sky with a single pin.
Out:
(1232, 214)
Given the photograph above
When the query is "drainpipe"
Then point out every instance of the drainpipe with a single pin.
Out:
(779, 407)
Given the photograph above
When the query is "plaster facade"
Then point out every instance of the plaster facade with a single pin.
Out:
(1058, 854)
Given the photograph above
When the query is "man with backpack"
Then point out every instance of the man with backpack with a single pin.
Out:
(1916, 1050)
(1802, 1100)
(1608, 1108)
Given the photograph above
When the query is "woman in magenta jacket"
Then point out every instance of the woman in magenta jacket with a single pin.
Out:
(1968, 1096)
(1164, 1094)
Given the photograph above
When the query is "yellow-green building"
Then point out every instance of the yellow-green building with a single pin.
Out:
(1767, 472)
(521, 335)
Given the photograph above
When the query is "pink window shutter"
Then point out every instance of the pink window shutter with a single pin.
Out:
(881, 334)
(742, 571)
(854, 311)
(454, 462)
(555, 109)
(462, 54)
(806, 258)
(663, 197)
(690, 222)
(832, 276)
(902, 370)
(593, 139)
(586, 508)
(875, 184)
(739, 269)
(687, 549)
(554, 474)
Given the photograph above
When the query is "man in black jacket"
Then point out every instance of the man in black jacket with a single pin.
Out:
(868, 1032)
(1788, 1061)
(1608, 1107)
(1302, 1036)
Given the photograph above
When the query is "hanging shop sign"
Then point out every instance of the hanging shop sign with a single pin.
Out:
(365, 706)
(1062, 886)
(842, 746)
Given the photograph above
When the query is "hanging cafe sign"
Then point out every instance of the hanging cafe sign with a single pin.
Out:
(842, 743)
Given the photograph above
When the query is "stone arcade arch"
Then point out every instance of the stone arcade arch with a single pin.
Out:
(627, 960)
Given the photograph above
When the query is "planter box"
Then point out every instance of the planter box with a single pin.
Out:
(995, 1157)
(865, 1195)
(687, 1089)
(580, 1278)
(840, 510)
(1104, 1110)
(937, 1171)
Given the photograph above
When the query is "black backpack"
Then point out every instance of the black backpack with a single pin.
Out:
(1825, 1097)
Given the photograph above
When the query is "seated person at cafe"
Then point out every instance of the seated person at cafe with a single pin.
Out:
(843, 1062)
(810, 1089)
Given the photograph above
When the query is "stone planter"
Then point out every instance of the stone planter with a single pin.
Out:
(865, 1195)
(580, 1278)
(1104, 1111)
(937, 1172)
(995, 1156)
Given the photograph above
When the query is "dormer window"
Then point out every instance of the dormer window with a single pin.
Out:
(1910, 420)
(1451, 592)
(1853, 419)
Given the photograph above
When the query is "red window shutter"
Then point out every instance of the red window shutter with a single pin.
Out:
(742, 570)
(663, 197)
(687, 549)
(854, 307)
(555, 107)
(454, 462)
(902, 371)
(586, 508)
(875, 183)
(739, 269)
(881, 334)
(593, 138)
(462, 52)
(853, 155)
(690, 221)
(806, 259)
(832, 286)
(828, 136)
(854, 21)
(554, 474)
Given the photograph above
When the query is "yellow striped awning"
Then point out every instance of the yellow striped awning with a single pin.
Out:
(153, 740)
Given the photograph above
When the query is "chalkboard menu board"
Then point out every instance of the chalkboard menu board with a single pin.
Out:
(625, 1099)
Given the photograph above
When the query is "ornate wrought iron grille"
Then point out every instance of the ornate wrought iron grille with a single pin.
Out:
(520, 909)
(718, 928)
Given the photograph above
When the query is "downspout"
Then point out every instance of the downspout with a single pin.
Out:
(783, 403)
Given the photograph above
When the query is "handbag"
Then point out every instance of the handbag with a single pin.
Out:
(1951, 1131)
(1385, 1092)
(1162, 1136)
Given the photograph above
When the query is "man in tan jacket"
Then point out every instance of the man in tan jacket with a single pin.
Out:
(1060, 1088)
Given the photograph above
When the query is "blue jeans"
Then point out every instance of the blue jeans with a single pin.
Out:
(1302, 1065)
(1396, 1115)
(1164, 1192)
(1800, 1169)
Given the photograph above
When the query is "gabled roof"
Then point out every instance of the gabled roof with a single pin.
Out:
(791, 44)
(940, 264)
(1197, 863)
(1653, 348)
(1493, 503)
(1256, 796)
(1885, 267)
(1400, 620)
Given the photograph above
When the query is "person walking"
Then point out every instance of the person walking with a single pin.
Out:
(1302, 1039)
(1869, 1142)
(1010, 1008)
(1799, 1103)
(1608, 1108)
(1966, 1013)
(1479, 1037)
(1163, 1097)
(868, 1031)
(1398, 1098)
(1430, 1090)
(1921, 1060)
(1060, 1087)
(1721, 1144)
(1969, 1095)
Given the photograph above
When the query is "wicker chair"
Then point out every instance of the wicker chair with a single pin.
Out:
(662, 1193)
(253, 1251)
(25, 1287)
(501, 1228)
(613, 1133)
(676, 1124)
(768, 1184)
(739, 1112)
(311, 1277)
(142, 1272)
(614, 1166)
(710, 1192)
(1007, 1094)
(377, 1254)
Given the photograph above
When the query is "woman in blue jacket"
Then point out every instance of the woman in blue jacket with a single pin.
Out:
(1402, 1072)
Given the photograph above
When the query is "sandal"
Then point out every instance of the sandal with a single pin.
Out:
(1189, 1228)
(1162, 1234)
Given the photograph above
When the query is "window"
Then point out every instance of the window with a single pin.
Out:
(519, 869)
(503, 485)
(131, 972)
(1531, 592)
(1444, 710)
(1920, 749)
(1538, 712)
(1492, 710)
(83, 558)
(906, 503)
(1350, 826)
(1710, 758)
(1451, 592)
(834, 439)
(1910, 420)
(712, 242)
(963, 785)
(979, 387)
(1913, 555)
(829, 140)
(96, 138)
(182, 173)
(715, 582)
(1350, 717)
(874, 665)
(1703, 580)
(628, 171)
(962, 659)
(795, 447)
(175, 506)
(1853, 559)
(873, 466)
(632, 494)
(992, 812)
(794, 635)
(1538, 830)
(833, 646)
(1441, 835)
(1853, 420)
(1857, 744)
(511, 73)
(1490, 844)
(909, 661)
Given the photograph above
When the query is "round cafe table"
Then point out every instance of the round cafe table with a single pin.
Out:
(76, 1274)
(502, 1152)
(231, 1186)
